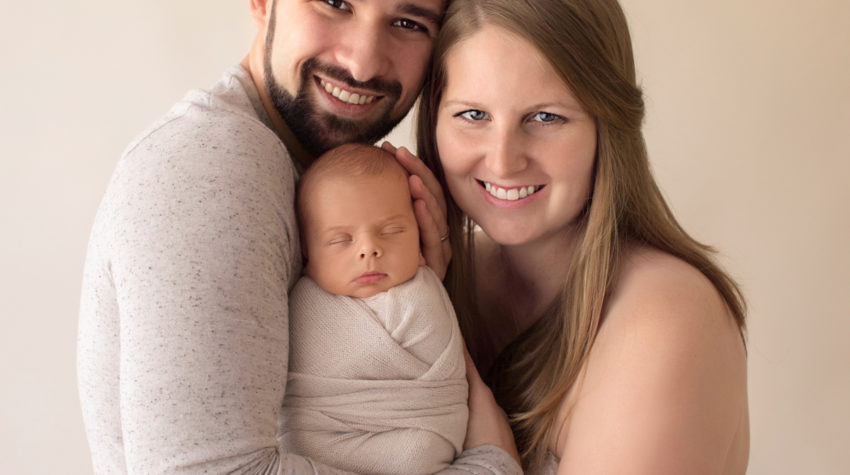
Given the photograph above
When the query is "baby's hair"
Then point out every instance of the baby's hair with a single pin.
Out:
(352, 160)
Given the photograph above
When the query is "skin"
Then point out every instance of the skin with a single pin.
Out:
(377, 49)
(371, 41)
(664, 388)
(360, 233)
(493, 129)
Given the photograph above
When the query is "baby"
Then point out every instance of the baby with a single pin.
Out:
(376, 371)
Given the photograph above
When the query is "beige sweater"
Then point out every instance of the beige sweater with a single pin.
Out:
(183, 330)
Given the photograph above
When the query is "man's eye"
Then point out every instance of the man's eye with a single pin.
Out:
(409, 24)
(338, 4)
(473, 114)
(546, 117)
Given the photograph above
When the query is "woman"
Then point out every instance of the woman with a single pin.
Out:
(607, 334)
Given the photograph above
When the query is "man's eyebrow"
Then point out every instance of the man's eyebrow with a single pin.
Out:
(428, 14)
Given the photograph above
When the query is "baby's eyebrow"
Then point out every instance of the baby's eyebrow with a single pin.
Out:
(397, 217)
(336, 229)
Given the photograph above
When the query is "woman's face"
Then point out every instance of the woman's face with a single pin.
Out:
(516, 146)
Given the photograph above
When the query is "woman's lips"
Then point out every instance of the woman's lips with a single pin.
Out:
(509, 198)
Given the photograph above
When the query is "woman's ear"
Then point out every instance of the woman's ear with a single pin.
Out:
(260, 10)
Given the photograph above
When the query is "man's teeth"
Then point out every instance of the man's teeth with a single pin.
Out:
(346, 96)
(511, 195)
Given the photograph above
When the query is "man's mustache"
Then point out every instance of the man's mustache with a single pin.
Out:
(387, 88)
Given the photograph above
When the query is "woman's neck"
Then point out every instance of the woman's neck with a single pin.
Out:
(517, 284)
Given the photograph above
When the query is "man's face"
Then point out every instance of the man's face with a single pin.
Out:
(347, 71)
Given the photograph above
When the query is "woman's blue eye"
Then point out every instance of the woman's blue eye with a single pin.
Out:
(473, 114)
(546, 117)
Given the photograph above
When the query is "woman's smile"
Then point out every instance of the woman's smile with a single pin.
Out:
(517, 159)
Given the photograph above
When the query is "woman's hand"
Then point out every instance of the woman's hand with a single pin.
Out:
(430, 208)
(488, 424)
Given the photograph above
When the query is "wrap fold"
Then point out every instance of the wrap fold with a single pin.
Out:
(376, 385)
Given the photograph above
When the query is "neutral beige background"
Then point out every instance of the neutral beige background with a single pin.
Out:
(748, 127)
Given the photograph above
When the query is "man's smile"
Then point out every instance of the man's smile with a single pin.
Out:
(345, 95)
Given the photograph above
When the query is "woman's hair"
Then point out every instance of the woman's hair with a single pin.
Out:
(587, 43)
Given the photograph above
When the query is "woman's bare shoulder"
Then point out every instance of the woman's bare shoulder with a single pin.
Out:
(662, 302)
(657, 288)
(664, 387)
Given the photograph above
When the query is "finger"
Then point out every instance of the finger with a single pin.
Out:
(471, 369)
(437, 253)
(389, 147)
(417, 167)
(420, 191)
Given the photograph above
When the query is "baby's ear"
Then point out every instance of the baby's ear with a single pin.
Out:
(421, 260)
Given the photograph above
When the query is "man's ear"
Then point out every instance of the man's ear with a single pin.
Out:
(260, 10)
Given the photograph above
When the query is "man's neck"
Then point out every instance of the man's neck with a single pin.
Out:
(299, 154)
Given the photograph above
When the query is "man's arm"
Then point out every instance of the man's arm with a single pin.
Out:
(197, 244)
(183, 332)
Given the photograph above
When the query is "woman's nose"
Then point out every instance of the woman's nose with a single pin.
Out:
(507, 154)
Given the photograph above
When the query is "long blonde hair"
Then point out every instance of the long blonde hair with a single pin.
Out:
(587, 42)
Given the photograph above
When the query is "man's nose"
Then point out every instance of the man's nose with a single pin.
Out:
(363, 51)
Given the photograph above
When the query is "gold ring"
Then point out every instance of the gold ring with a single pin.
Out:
(444, 237)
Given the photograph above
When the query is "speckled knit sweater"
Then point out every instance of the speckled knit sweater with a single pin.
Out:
(183, 338)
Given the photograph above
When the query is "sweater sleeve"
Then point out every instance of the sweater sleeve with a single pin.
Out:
(183, 340)
(183, 330)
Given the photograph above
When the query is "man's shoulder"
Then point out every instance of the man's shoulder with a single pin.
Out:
(226, 118)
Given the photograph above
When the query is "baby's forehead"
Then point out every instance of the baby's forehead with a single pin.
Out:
(388, 180)
(338, 196)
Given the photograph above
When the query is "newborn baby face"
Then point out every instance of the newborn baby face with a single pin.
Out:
(361, 236)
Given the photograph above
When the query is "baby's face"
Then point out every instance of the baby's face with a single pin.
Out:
(360, 233)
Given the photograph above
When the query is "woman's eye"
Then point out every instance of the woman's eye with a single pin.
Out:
(473, 114)
(546, 117)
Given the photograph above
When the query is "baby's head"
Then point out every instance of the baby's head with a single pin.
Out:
(358, 230)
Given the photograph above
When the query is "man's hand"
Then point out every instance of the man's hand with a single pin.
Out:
(430, 208)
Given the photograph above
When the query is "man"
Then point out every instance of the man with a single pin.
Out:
(183, 342)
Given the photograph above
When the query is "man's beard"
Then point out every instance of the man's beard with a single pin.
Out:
(319, 131)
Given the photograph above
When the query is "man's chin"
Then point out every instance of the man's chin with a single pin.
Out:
(323, 141)
(333, 134)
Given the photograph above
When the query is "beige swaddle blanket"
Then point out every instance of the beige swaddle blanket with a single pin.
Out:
(376, 385)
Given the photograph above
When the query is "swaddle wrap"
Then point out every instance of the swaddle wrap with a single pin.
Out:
(376, 385)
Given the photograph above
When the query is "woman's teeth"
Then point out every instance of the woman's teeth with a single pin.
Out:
(512, 194)
(346, 96)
